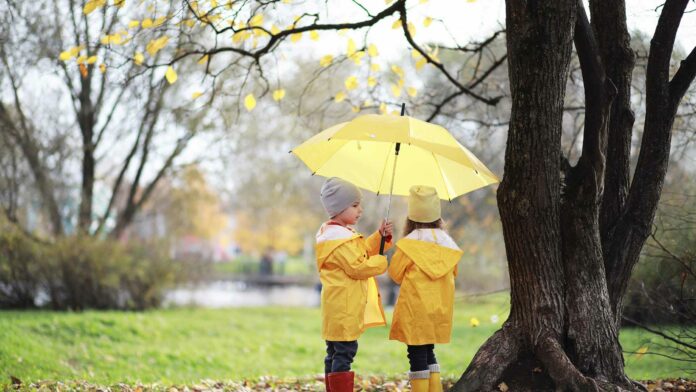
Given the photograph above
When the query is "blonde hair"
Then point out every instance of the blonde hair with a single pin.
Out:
(410, 225)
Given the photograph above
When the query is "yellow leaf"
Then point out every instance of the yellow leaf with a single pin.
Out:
(92, 60)
(326, 60)
(371, 81)
(295, 37)
(387, 1)
(275, 30)
(351, 47)
(470, 1)
(133, 24)
(213, 3)
(357, 57)
(203, 60)
(159, 21)
(279, 94)
(340, 96)
(351, 83)
(641, 351)
(398, 70)
(102, 67)
(411, 29)
(89, 7)
(474, 322)
(396, 90)
(412, 91)
(138, 58)
(375, 67)
(171, 75)
(372, 50)
(147, 23)
(65, 55)
(81, 59)
(314, 35)
(355, 109)
(119, 3)
(421, 63)
(423, 1)
(427, 21)
(156, 45)
(383, 108)
(249, 102)
(396, 24)
(75, 50)
(196, 94)
(401, 83)
(367, 103)
(287, 1)
(257, 20)
(415, 54)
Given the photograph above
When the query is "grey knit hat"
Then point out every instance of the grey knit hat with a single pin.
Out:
(337, 195)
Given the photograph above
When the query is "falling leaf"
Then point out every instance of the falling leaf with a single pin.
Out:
(138, 58)
(196, 94)
(474, 322)
(371, 81)
(427, 21)
(295, 37)
(314, 35)
(396, 24)
(171, 75)
(351, 83)
(326, 60)
(83, 70)
(412, 91)
(340, 96)
(641, 351)
(249, 102)
(351, 47)
(133, 24)
(396, 90)
(375, 67)
(147, 23)
(372, 50)
(279, 94)
(102, 67)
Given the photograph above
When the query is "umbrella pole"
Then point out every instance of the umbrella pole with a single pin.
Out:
(391, 188)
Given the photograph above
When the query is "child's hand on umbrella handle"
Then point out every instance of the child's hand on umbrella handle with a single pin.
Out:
(386, 228)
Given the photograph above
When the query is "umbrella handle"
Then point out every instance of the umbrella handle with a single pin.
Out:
(391, 189)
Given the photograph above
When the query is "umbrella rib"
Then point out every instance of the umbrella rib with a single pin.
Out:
(442, 176)
(384, 168)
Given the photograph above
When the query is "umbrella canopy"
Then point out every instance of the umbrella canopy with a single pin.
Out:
(362, 152)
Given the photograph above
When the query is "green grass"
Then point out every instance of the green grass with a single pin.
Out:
(187, 345)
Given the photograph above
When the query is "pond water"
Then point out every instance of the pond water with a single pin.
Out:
(223, 294)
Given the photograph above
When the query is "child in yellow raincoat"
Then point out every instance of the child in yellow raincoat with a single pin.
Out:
(347, 263)
(425, 265)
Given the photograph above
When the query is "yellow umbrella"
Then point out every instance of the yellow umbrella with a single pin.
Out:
(362, 151)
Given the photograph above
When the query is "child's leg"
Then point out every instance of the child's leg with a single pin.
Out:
(420, 374)
(343, 356)
(435, 384)
(328, 360)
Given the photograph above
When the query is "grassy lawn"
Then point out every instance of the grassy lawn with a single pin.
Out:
(186, 345)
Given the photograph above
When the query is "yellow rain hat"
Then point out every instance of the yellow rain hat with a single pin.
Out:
(423, 204)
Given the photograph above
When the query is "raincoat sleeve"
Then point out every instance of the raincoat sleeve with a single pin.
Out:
(356, 263)
(375, 240)
(398, 266)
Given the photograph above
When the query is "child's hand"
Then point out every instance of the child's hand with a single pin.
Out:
(386, 228)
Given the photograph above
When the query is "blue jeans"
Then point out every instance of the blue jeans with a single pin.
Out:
(420, 357)
(339, 356)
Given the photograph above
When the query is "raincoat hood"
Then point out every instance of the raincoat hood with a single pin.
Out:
(432, 250)
(329, 237)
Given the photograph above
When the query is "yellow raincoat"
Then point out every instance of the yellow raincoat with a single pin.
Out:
(350, 300)
(424, 264)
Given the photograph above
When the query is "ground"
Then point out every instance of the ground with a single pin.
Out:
(243, 346)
